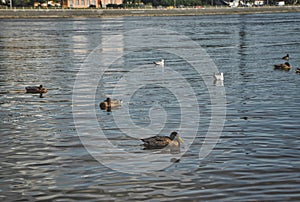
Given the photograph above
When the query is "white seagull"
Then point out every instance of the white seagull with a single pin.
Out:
(219, 76)
(161, 62)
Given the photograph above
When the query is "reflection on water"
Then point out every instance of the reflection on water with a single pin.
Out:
(219, 82)
(257, 157)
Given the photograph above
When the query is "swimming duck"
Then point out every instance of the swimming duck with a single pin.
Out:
(109, 103)
(287, 57)
(159, 142)
(161, 62)
(286, 66)
(219, 76)
(36, 89)
(297, 71)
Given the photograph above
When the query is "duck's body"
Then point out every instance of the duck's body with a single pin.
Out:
(159, 142)
(161, 62)
(287, 57)
(219, 76)
(297, 71)
(36, 89)
(109, 103)
(286, 66)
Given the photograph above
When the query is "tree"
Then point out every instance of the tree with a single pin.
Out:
(171, 2)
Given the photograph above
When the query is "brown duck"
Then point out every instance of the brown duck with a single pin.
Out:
(109, 103)
(159, 142)
(36, 89)
(287, 57)
(286, 66)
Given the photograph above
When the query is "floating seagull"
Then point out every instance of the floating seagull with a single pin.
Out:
(219, 76)
(159, 142)
(161, 62)
(287, 57)
(218, 82)
(286, 66)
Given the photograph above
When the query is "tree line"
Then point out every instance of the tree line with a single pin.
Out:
(25, 3)
(155, 3)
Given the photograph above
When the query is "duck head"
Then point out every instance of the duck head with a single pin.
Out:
(42, 89)
(106, 104)
(175, 135)
(108, 100)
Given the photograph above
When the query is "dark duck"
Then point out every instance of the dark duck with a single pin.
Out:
(159, 142)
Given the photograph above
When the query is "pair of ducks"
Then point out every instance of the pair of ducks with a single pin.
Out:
(155, 142)
(285, 66)
(36, 89)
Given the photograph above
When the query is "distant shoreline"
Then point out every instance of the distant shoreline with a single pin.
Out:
(98, 13)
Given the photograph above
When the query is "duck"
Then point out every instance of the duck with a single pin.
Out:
(36, 89)
(297, 71)
(286, 66)
(159, 142)
(219, 76)
(161, 62)
(109, 103)
(286, 57)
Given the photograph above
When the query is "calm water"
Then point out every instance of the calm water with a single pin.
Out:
(43, 156)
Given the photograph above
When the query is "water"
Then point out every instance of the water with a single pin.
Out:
(42, 153)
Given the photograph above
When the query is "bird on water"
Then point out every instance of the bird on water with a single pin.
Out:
(285, 66)
(219, 76)
(159, 142)
(286, 57)
(161, 62)
(36, 89)
(109, 103)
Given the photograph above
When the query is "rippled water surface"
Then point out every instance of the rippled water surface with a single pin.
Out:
(44, 155)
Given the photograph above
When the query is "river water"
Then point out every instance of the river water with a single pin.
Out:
(241, 135)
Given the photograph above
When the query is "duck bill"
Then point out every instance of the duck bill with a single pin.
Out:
(180, 139)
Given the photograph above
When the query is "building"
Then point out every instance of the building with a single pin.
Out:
(258, 3)
(89, 3)
(280, 3)
(81, 3)
(234, 3)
